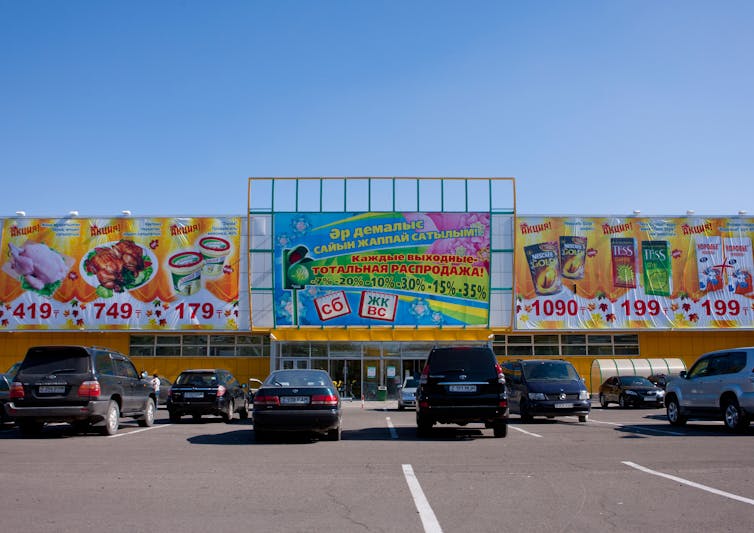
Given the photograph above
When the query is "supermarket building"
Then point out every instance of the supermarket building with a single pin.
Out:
(362, 276)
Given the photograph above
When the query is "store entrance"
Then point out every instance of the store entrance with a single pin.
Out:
(294, 363)
(346, 373)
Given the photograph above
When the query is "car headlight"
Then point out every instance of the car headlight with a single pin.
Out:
(660, 393)
(537, 396)
(632, 393)
(583, 395)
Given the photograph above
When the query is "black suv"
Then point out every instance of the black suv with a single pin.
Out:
(546, 387)
(459, 386)
(207, 392)
(81, 385)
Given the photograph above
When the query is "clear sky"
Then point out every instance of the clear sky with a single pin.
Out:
(167, 107)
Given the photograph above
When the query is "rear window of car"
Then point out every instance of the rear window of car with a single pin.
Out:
(411, 383)
(628, 381)
(461, 360)
(550, 371)
(298, 379)
(52, 360)
(197, 379)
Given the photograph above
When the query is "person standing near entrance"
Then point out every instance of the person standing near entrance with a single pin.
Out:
(156, 387)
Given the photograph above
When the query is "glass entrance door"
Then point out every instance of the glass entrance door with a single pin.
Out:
(346, 373)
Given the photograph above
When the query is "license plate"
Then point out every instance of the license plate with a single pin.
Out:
(294, 400)
(48, 389)
(563, 405)
(462, 388)
(650, 399)
(193, 395)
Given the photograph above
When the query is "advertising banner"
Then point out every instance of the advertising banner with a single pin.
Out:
(120, 273)
(634, 273)
(382, 269)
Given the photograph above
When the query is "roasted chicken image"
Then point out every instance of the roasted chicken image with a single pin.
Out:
(108, 267)
(116, 266)
(37, 264)
(132, 255)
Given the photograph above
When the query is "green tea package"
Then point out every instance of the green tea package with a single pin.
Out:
(657, 269)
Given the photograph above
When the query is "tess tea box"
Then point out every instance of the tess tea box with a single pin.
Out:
(623, 253)
(658, 275)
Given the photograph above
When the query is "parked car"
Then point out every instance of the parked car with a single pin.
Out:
(207, 391)
(633, 391)
(719, 385)
(81, 385)
(462, 385)
(297, 401)
(546, 387)
(4, 397)
(11, 372)
(407, 393)
(659, 380)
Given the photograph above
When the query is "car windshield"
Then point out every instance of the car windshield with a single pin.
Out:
(298, 378)
(411, 384)
(197, 379)
(550, 371)
(635, 381)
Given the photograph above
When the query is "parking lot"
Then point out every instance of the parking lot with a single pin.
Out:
(626, 469)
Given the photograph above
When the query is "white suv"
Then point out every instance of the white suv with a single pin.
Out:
(719, 385)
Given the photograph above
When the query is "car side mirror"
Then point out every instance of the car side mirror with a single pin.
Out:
(683, 374)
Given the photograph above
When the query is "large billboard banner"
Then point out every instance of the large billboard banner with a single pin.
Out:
(634, 273)
(120, 273)
(382, 269)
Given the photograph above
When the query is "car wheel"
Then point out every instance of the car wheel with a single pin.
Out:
(112, 419)
(603, 401)
(673, 410)
(583, 418)
(30, 428)
(622, 401)
(148, 419)
(500, 429)
(401, 407)
(229, 412)
(524, 412)
(733, 416)
(174, 417)
(261, 435)
(334, 434)
(244, 414)
(423, 425)
(196, 417)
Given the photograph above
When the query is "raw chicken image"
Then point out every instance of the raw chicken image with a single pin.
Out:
(120, 266)
(37, 264)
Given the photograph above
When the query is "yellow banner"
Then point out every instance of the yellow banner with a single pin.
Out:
(120, 273)
(633, 272)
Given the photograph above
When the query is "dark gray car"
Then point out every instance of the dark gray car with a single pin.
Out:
(80, 385)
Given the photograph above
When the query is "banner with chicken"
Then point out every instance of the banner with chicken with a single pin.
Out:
(120, 273)
(634, 272)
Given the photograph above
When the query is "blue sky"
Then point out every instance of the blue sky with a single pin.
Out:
(166, 108)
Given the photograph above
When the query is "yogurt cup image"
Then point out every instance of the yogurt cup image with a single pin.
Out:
(214, 250)
(186, 272)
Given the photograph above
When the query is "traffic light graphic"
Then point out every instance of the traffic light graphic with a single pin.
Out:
(296, 273)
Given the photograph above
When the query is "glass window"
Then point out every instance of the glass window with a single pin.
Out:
(520, 350)
(573, 339)
(574, 350)
(600, 339)
(168, 350)
(546, 350)
(545, 339)
(519, 339)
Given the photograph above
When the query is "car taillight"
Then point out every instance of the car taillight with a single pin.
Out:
(265, 399)
(220, 391)
(17, 391)
(503, 404)
(500, 376)
(324, 399)
(90, 390)
(425, 375)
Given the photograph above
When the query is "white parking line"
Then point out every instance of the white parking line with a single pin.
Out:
(391, 427)
(427, 515)
(524, 431)
(636, 428)
(138, 431)
(690, 483)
